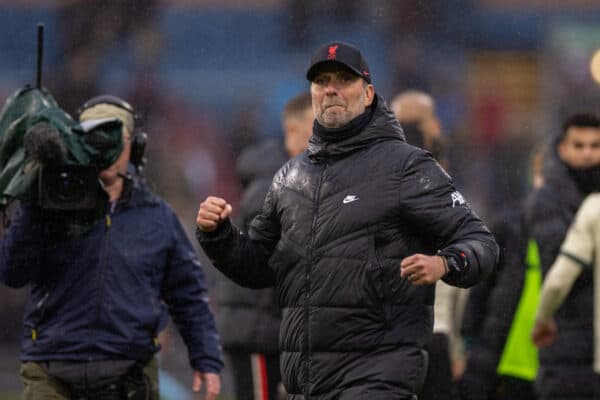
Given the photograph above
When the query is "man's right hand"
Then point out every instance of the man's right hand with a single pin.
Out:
(212, 212)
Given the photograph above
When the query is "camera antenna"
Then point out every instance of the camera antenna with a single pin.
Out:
(40, 54)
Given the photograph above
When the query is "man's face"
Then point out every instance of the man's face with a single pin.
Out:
(297, 129)
(580, 148)
(338, 96)
(111, 174)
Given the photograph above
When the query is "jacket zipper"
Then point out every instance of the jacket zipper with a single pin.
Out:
(41, 307)
(103, 263)
(387, 296)
(307, 281)
(379, 283)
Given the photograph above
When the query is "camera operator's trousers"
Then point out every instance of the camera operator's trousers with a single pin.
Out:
(39, 385)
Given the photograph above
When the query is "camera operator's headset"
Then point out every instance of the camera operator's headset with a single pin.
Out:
(138, 137)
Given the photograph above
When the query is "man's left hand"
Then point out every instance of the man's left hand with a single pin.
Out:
(421, 269)
(211, 381)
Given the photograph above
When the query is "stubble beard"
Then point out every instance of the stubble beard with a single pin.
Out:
(334, 119)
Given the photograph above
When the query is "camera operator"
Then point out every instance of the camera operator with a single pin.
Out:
(98, 300)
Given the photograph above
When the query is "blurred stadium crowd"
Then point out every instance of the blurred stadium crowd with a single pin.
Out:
(210, 78)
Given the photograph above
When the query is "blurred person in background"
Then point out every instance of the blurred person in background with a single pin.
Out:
(253, 350)
(99, 298)
(579, 252)
(570, 173)
(352, 235)
(421, 126)
(244, 128)
(100, 28)
(502, 362)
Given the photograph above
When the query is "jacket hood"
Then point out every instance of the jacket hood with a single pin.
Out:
(383, 126)
(556, 175)
(554, 169)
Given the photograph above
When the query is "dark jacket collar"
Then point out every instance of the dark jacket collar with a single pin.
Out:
(382, 126)
(137, 194)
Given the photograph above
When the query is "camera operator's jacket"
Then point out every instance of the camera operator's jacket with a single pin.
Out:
(106, 294)
(335, 226)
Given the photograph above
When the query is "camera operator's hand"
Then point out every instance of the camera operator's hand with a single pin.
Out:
(211, 383)
(212, 212)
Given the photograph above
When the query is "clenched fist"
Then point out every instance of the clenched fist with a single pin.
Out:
(212, 212)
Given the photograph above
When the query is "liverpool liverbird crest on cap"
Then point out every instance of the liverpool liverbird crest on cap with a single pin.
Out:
(341, 53)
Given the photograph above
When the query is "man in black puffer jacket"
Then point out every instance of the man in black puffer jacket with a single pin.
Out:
(353, 235)
(571, 173)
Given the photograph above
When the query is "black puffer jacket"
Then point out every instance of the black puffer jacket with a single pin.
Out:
(254, 310)
(335, 225)
(565, 366)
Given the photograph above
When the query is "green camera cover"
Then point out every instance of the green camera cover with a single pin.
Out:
(29, 106)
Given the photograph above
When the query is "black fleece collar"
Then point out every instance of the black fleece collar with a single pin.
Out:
(375, 125)
(352, 128)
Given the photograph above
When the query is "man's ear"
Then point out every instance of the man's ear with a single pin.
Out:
(369, 95)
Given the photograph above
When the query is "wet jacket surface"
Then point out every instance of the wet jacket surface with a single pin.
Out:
(566, 365)
(106, 294)
(336, 223)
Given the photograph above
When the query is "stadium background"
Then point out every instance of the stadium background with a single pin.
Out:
(210, 77)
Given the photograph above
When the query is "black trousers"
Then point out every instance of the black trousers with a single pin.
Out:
(511, 388)
(256, 376)
(439, 384)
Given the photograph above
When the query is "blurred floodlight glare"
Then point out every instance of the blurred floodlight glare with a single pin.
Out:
(595, 66)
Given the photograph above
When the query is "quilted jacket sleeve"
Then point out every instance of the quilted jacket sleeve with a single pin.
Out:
(429, 199)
